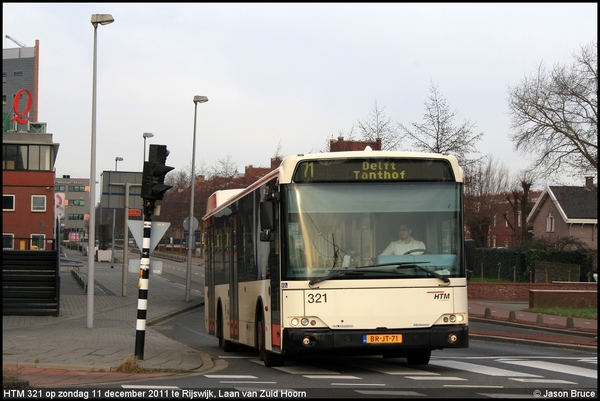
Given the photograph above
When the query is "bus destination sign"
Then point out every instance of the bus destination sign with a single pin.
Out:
(376, 170)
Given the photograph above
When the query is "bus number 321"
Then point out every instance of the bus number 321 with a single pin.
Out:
(317, 298)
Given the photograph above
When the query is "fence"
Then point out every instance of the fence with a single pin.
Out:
(530, 265)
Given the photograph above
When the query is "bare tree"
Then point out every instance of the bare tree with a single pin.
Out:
(438, 134)
(279, 152)
(555, 116)
(377, 125)
(225, 168)
(485, 181)
(518, 198)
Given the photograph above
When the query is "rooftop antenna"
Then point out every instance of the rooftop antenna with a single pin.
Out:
(20, 44)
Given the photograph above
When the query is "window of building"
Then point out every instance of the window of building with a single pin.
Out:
(27, 157)
(38, 241)
(494, 223)
(550, 222)
(38, 203)
(76, 188)
(75, 216)
(494, 241)
(519, 218)
(75, 202)
(8, 241)
(60, 188)
(8, 203)
(18, 73)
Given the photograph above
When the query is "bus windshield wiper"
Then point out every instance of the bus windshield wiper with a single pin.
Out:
(402, 265)
(434, 274)
(333, 274)
(362, 270)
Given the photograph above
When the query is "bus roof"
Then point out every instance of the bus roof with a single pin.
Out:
(285, 172)
(289, 163)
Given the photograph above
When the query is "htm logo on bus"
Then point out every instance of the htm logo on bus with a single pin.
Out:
(440, 295)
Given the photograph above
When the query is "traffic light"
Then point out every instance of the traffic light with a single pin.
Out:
(153, 177)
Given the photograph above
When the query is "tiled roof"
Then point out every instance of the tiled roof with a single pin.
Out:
(577, 202)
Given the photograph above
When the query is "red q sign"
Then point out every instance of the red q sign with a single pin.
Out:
(19, 116)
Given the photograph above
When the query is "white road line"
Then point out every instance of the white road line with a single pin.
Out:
(389, 369)
(482, 369)
(434, 378)
(557, 367)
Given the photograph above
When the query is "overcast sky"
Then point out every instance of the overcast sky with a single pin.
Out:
(279, 75)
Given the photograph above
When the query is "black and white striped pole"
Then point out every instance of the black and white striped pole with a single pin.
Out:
(153, 189)
(140, 325)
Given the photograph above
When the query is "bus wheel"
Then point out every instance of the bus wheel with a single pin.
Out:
(269, 358)
(224, 344)
(419, 357)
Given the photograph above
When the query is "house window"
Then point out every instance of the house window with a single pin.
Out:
(550, 222)
(18, 73)
(38, 241)
(38, 203)
(494, 224)
(8, 203)
(494, 241)
(519, 218)
(8, 241)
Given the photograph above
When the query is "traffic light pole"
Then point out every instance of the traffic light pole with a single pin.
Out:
(140, 327)
(153, 189)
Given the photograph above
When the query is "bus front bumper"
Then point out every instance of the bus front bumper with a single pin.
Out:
(302, 341)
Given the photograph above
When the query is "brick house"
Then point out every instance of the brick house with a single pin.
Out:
(502, 231)
(341, 145)
(567, 211)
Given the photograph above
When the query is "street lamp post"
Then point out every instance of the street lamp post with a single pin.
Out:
(112, 258)
(191, 231)
(146, 135)
(97, 19)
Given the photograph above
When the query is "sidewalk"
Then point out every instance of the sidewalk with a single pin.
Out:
(56, 345)
(62, 351)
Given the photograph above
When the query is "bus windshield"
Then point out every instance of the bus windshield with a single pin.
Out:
(372, 230)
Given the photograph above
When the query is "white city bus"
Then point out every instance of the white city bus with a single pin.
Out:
(294, 264)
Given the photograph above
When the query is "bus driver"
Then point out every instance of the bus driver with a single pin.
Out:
(404, 244)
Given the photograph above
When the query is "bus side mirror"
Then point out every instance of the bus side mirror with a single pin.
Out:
(470, 257)
(267, 218)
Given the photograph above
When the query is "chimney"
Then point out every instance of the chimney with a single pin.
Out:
(589, 182)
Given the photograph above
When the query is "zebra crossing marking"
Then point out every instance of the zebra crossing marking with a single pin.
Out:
(482, 369)
(555, 367)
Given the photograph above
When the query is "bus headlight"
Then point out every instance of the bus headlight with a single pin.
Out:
(304, 321)
(294, 321)
(457, 318)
